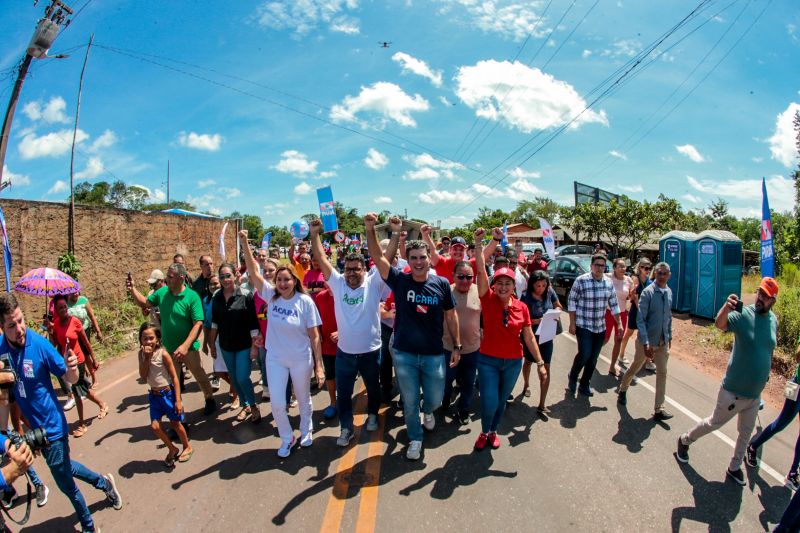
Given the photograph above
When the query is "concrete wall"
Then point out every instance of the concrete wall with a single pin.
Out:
(108, 243)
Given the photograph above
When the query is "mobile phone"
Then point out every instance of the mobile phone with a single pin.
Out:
(739, 306)
(130, 277)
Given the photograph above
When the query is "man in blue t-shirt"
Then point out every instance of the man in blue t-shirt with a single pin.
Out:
(755, 330)
(33, 359)
(423, 303)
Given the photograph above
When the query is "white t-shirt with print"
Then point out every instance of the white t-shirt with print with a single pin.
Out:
(288, 324)
(357, 312)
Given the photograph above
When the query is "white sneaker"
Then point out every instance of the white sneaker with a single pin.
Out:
(651, 366)
(306, 440)
(293, 402)
(70, 404)
(286, 448)
(344, 437)
(372, 423)
(622, 361)
(414, 450)
(428, 421)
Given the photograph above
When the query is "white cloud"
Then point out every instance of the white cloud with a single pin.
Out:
(204, 184)
(206, 202)
(52, 112)
(418, 67)
(325, 174)
(382, 200)
(297, 163)
(782, 143)
(155, 195)
(229, 192)
(386, 99)
(521, 173)
(691, 152)
(450, 197)
(691, 198)
(200, 141)
(623, 48)
(94, 167)
(375, 159)
(757, 159)
(513, 21)
(779, 189)
(519, 189)
(107, 139)
(522, 97)
(51, 144)
(276, 209)
(586, 53)
(305, 16)
(60, 186)
(17, 180)
(428, 167)
(619, 155)
(634, 189)
(445, 101)
(303, 188)
(425, 173)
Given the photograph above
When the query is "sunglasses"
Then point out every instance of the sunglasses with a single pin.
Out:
(225, 276)
(506, 316)
(352, 270)
(464, 276)
(646, 269)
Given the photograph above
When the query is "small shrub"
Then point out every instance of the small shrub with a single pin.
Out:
(69, 265)
(119, 323)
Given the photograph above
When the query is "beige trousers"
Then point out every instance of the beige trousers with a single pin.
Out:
(660, 358)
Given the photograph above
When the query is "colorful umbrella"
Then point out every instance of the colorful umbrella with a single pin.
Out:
(46, 282)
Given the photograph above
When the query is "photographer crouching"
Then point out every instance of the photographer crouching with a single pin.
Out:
(32, 359)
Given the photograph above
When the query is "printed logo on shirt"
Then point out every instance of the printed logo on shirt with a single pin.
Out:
(27, 368)
(423, 309)
(285, 312)
(413, 297)
(353, 301)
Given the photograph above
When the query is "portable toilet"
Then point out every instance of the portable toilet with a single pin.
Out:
(678, 250)
(719, 271)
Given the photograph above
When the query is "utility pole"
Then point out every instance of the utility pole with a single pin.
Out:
(167, 183)
(46, 32)
(71, 229)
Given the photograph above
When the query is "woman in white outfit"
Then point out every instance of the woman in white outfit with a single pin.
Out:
(293, 347)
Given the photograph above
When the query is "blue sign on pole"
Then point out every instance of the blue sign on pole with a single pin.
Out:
(327, 212)
(767, 250)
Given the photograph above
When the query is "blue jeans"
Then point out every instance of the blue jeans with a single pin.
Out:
(789, 411)
(790, 521)
(589, 346)
(414, 371)
(464, 373)
(262, 365)
(348, 366)
(386, 360)
(497, 378)
(238, 364)
(65, 471)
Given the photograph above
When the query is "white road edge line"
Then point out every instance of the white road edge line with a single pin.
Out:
(724, 438)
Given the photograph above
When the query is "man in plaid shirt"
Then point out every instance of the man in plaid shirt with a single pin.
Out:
(590, 295)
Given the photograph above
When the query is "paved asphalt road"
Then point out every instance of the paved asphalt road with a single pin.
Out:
(593, 466)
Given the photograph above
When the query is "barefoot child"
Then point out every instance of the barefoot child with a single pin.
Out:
(156, 367)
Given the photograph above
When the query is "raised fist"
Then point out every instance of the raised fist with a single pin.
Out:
(370, 219)
(426, 230)
(479, 234)
(395, 224)
(315, 226)
(497, 234)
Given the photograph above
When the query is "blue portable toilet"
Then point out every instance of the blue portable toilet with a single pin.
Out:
(719, 271)
(678, 250)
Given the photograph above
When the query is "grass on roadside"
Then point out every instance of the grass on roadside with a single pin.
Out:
(119, 323)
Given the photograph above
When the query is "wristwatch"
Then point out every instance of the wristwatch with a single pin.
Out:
(540, 363)
(457, 347)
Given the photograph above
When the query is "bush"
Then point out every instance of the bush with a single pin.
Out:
(119, 323)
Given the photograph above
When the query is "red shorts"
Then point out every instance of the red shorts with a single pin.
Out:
(611, 324)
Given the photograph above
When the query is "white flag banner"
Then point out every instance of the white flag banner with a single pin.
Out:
(547, 238)
(222, 241)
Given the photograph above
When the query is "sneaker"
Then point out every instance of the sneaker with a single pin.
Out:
(751, 456)
(683, 451)
(428, 421)
(414, 450)
(293, 402)
(651, 366)
(211, 406)
(463, 418)
(510, 398)
(41, 495)
(622, 397)
(344, 437)
(480, 443)
(737, 476)
(215, 383)
(330, 412)
(69, 404)
(588, 391)
(286, 448)
(9, 497)
(572, 384)
(793, 480)
(622, 361)
(306, 440)
(112, 494)
(494, 440)
(372, 423)
(662, 415)
(635, 380)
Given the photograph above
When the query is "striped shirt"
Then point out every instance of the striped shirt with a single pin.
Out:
(589, 298)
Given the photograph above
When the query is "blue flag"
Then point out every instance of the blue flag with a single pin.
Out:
(6, 251)
(266, 240)
(327, 210)
(767, 250)
(504, 241)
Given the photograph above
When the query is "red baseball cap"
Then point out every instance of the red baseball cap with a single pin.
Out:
(769, 286)
(504, 272)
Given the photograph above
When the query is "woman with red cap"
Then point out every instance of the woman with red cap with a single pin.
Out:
(500, 360)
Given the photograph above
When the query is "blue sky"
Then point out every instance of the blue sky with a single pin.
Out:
(256, 104)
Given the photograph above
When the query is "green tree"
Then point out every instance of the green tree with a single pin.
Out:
(91, 194)
(280, 235)
(529, 211)
(174, 204)
(490, 218)
(252, 223)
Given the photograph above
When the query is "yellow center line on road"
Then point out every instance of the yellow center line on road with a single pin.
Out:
(368, 508)
(338, 498)
(117, 381)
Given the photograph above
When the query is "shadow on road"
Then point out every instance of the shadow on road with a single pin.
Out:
(773, 499)
(140, 402)
(571, 409)
(632, 432)
(716, 503)
(458, 471)
(65, 523)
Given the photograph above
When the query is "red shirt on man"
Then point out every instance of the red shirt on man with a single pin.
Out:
(447, 265)
(324, 301)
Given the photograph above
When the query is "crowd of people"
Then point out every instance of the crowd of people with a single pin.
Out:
(429, 324)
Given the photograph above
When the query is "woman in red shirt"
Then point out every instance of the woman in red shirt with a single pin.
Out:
(330, 336)
(68, 334)
(500, 360)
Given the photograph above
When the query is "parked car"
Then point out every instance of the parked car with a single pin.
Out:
(530, 247)
(574, 249)
(565, 268)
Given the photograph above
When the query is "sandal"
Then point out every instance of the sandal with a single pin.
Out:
(184, 457)
(103, 412)
(243, 414)
(255, 415)
(79, 431)
(526, 392)
(171, 458)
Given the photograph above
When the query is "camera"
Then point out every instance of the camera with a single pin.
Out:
(36, 439)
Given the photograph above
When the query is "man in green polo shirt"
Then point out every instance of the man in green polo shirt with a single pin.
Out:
(181, 322)
(755, 330)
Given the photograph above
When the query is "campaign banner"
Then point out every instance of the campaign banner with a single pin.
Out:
(767, 249)
(6, 251)
(327, 211)
(222, 241)
(504, 241)
(547, 238)
(266, 240)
